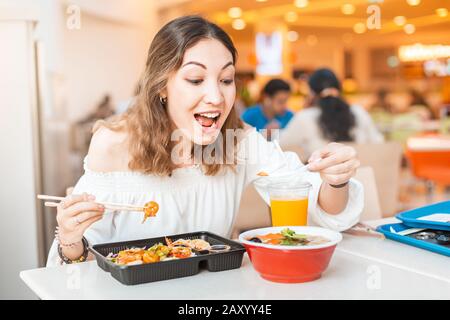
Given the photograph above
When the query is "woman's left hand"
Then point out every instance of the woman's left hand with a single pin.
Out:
(336, 163)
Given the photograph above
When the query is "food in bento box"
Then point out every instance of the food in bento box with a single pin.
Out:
(150, 210)
(288, 237)
(178, 249)
(196, 244)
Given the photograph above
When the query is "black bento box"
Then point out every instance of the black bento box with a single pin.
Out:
(164, 270)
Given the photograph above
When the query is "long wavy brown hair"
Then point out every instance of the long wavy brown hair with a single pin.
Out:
(147, 121)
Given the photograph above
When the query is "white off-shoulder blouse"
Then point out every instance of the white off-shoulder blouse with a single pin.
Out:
(192, 201)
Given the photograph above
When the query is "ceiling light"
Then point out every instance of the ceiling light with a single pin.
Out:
(292, 36)
(442, 12)
(291, 16)
(238, 24)
(359, 28)
(409, 28)
(413, 2)
(400, 20)
(348, 9)
(301, 3)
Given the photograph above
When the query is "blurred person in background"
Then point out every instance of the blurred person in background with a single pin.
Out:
(122, 106)
(382, 112)
(81, 131)
(382, 104)
(330, 120)
(419, 106)
(397, 120)
(272, 112)
(104, 110)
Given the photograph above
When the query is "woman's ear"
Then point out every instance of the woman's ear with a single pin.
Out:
(163, 97)
(163, 94)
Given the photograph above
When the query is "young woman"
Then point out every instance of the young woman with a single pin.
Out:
(185, 105)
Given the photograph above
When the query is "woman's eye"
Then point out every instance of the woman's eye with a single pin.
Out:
(228, 81)
(195, 81)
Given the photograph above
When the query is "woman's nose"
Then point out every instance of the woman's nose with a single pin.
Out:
(213, 94)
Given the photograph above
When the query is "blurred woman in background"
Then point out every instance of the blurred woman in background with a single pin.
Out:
(420, 106)
(331, 120)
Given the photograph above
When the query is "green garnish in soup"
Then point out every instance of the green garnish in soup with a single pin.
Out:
(288, 237)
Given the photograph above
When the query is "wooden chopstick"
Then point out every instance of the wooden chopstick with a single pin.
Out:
(46, 197)
(264, 173)
(108, 205)
(115, 208)
(361, 229)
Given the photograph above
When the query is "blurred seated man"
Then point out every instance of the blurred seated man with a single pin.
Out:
(272, 112)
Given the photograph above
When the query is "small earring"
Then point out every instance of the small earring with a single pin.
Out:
(163, 100)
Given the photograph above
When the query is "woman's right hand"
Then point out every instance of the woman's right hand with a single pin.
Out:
(75, 214)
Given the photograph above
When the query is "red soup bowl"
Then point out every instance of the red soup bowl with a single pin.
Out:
(290, 264)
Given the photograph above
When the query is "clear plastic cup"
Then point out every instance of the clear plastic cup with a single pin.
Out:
(289, 204)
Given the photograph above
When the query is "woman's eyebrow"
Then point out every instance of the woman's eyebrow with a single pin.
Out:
(194, 62)
(227, 65)
(203, 66)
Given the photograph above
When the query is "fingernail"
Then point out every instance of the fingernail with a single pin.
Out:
(91, 197)
(101, 207)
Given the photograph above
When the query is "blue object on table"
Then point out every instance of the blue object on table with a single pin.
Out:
(411, 217)
(391, 232)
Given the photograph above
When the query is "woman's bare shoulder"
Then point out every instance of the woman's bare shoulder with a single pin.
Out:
(108, 150)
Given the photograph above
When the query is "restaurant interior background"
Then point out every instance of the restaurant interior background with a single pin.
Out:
(65, 63)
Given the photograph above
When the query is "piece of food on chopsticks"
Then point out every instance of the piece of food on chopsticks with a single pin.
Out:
(150, 210)
(262, 174)
(179, 249)
(288, 237)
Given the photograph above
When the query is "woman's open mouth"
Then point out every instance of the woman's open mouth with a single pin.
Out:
(208, 119)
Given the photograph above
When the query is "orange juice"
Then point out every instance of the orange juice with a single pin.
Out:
(289, 212)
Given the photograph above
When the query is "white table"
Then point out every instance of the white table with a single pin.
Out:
(429, 143)
(361, 268)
